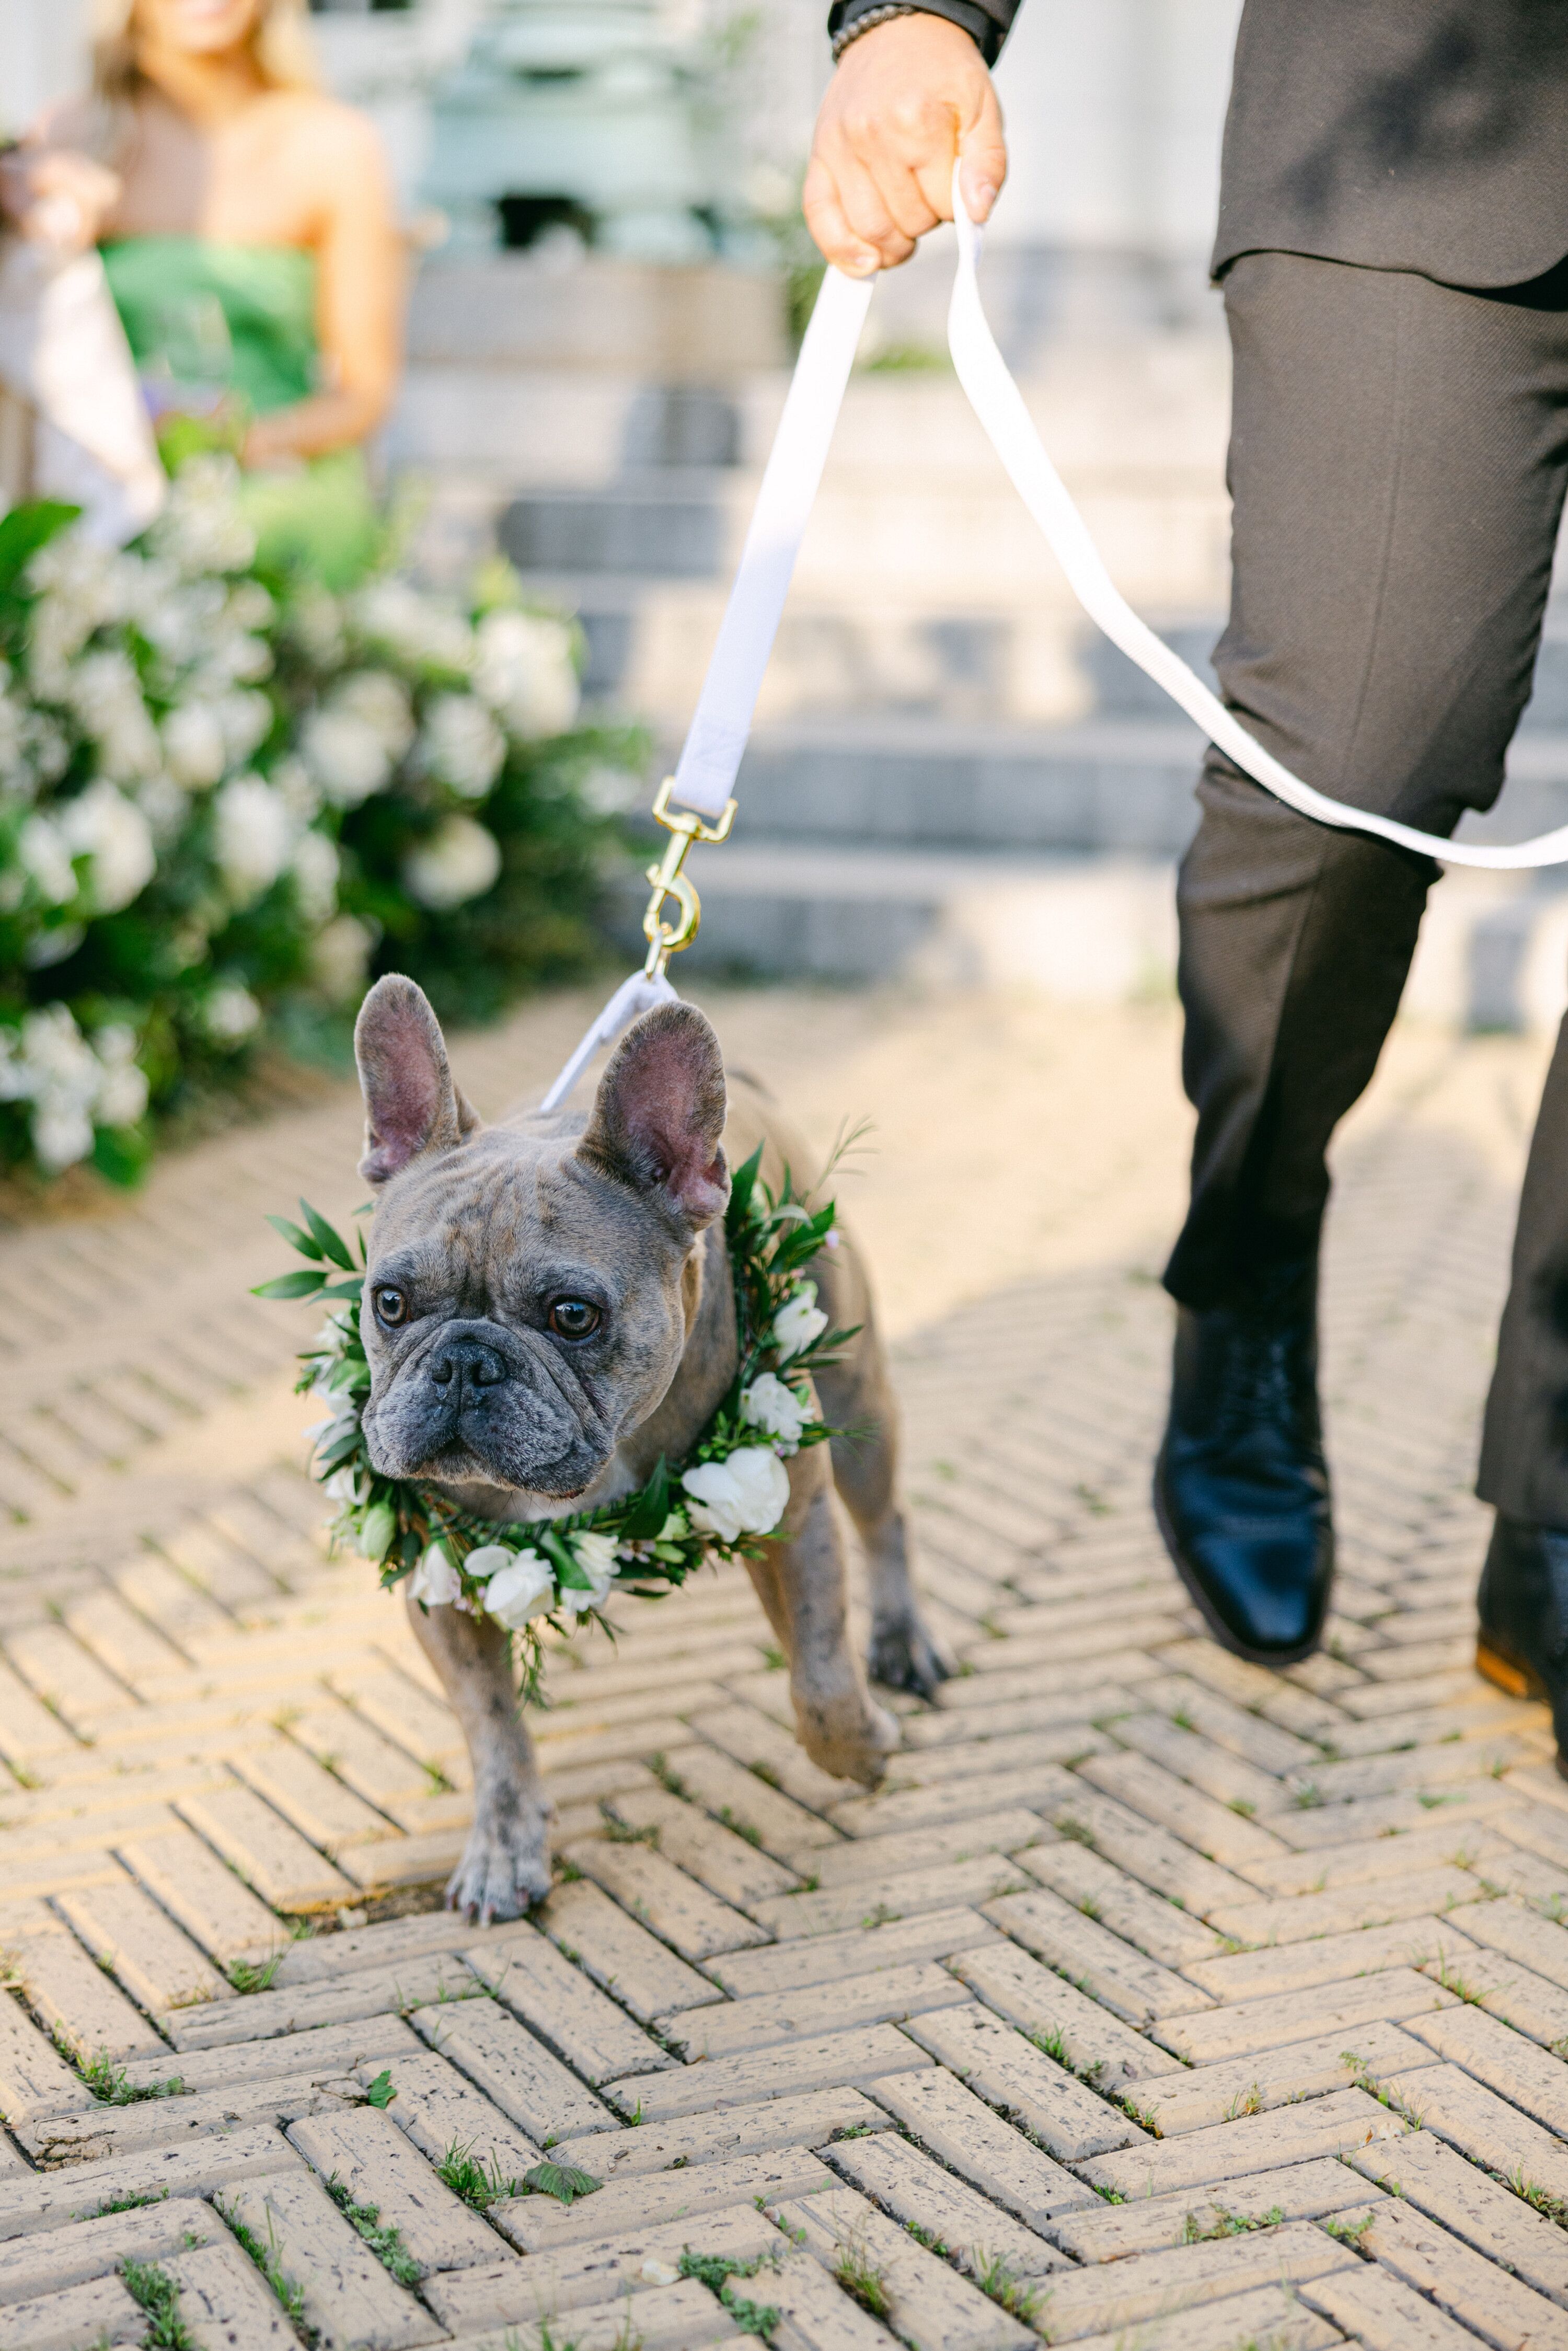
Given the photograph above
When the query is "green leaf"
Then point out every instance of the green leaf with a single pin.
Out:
(564, 2182)
(26, 529)
(651, 1508)
(569, 1576)
(332, 1243)
(742, 1184)
(379, 2092)
(290, 1285)
(354, 1288)
(296, 1240)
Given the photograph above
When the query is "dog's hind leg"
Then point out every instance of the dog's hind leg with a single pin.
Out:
(803, 1585)
(506, 1862)
(857, 1396)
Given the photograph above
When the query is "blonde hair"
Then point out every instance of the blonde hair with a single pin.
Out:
(278, 44)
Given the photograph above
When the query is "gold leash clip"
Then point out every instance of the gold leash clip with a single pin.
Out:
(664, 939)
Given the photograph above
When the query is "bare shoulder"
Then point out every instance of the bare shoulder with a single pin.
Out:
(341, 144)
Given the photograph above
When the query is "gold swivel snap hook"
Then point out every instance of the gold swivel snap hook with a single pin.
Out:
(664, 939)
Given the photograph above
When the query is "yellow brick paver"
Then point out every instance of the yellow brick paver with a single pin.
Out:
(1153, 1998)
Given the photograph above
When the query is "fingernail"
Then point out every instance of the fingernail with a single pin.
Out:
(862, 264)
(985, 196)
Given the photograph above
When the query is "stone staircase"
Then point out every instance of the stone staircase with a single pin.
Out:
(954, 780)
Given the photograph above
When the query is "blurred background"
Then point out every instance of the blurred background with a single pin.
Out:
(953, 781)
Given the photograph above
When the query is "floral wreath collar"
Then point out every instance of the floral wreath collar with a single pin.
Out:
(722, 1498)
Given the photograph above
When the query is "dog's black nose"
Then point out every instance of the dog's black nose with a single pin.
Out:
(468, 1362)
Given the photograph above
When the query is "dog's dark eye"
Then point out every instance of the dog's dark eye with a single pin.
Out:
(391, 1305)
(574, 1318)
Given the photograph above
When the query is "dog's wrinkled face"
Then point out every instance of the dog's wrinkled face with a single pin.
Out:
(527, 1300)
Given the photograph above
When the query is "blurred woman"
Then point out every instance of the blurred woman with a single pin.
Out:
(245, 225)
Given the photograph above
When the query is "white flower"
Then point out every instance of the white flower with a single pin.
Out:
(105, 693)
(292, 778)
(523, 668)
(62, 1134)
(194, 749)
(246, 716)
(383, 703)
(459, 861)
(338, 957)
(435, 1580)
(44, 859)
(743, 1495)
(486, 1558)
(610, 791)
(797, 1321)
(116, 839)
(523, 1589)
(391, 613)
(315, 621)
(252, 835)
(595, 1554)
(461, 745)
(342, 1486)
(313, 866)
(201, 527)
(230, 1013)
(346, 758)
(122, 1089)
(776, 1410)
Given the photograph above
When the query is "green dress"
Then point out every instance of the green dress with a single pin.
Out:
(206, 320)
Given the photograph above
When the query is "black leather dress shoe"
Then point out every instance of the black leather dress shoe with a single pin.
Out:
(1241, 1491)
(1522, 1642)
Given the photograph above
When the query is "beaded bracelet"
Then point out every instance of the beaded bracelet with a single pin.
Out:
(869, 22)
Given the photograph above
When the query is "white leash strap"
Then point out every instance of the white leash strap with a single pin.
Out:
(705, 775)
(997, 402)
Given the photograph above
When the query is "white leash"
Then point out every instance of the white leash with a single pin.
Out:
(704, 776)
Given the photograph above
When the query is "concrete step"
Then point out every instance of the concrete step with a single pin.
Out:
(1493, 952)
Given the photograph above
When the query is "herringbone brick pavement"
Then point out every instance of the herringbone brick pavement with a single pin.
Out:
(1155, 2000)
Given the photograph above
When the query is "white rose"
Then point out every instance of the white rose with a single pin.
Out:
(122, 1089)
(487, 1559)
(435, 1580)
(117, 840)
(347, 759)
(340, 956)
(44, 857)
(595, 1554)
(744, 1495)
(797, 1321)
(245, 717)
(313, 866)
(230, 1013)
(525, 1589)
(342, 1486)
(194, 749)
(62, 1134)
(461, 745)
(458, 862)
(252, 835)
(382, 703)
(523, 668)
(776, 1410)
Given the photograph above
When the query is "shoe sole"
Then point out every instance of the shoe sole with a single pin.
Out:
(1205, 1608)
(1505, 1671)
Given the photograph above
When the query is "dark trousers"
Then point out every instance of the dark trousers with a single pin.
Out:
(1398, 456)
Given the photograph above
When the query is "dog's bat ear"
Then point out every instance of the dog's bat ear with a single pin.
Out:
(411, 1102)
(660, 1113)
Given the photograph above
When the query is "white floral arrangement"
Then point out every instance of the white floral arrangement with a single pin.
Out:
(217, 788)
(725, 1495)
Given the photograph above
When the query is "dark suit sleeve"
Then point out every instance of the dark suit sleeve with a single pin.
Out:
(987, 22)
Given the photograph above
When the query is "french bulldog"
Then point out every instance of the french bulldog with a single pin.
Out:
(547, 1309)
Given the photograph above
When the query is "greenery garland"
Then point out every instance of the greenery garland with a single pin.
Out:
(723, 1499)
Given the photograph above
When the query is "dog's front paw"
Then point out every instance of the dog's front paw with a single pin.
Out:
(851, 1744)
(905, 1654)
(505, 1868)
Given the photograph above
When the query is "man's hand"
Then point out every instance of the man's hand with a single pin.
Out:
(904, 101)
